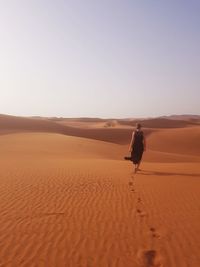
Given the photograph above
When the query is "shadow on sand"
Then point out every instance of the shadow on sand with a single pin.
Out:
(158, 173)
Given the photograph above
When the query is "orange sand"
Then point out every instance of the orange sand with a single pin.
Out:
(71, 201)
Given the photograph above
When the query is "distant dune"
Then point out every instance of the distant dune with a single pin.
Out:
(112, 131)
(187, 117)
(161, 123)
(12, 124)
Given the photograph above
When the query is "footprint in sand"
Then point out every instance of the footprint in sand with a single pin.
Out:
(131, 185)
(141, 213)
(150, 258)
(154, 232)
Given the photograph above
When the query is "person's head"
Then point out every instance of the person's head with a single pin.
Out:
(138, 126)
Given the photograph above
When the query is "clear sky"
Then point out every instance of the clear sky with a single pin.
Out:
(99, 58)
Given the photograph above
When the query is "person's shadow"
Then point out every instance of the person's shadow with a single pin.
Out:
(159, 173)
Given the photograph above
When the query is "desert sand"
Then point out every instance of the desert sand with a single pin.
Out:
(67, 197)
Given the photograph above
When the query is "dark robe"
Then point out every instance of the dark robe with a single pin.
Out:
(137, 147)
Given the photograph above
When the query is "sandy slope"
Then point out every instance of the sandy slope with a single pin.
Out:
(81, 123)
(180, 141)
(12, 124)
(169, 208)
(71, 201)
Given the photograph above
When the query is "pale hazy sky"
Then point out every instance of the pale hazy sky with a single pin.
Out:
(99, 58)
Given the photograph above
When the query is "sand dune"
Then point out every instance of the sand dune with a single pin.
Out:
(94, 124)
(55, 146)
(180, 141)
(11, 124)
(186, 117)
(161, 123)
(20, 124)
(73, 201)
(113, 132)
(179, 122)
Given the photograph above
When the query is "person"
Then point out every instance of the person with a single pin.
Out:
(137, 146)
